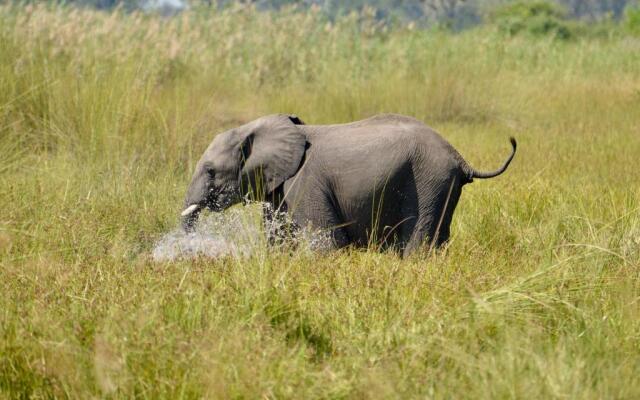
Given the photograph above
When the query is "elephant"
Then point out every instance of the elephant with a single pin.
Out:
(389, 180)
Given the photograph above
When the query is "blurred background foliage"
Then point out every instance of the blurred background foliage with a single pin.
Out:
(562, 19)
(458, 14)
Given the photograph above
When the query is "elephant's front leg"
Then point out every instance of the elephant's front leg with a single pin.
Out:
(278, 227)
(318, 219)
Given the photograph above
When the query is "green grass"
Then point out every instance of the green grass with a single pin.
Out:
(103, 116)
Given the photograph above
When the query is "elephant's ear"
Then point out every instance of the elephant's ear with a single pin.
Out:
(272, 151)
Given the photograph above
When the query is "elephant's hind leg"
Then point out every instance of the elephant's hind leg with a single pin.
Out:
(434, 218)
(416, 238)
(442, 232)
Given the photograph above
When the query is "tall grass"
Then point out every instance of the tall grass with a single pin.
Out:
(103, 116)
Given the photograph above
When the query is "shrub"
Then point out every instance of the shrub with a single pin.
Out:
(632, 19)
(537, 18)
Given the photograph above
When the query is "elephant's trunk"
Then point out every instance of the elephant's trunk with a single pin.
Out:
(194, 202)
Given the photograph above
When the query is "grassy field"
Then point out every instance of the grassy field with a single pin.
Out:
(103, 116)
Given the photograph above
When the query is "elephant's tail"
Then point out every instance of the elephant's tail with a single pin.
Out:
(485, 175)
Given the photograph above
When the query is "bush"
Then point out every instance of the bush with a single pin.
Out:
(632, 19)
(538, 18)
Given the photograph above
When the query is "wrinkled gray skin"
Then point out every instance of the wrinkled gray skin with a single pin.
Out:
(388, 180)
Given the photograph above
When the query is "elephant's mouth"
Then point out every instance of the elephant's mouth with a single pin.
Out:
(217, 201)
(224, 198)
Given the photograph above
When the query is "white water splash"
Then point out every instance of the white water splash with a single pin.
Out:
(237, 232)
(231, 233)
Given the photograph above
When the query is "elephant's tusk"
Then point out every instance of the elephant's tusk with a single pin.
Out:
(189, 210)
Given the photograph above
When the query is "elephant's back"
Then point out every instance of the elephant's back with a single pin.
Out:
(371, 125)
(388, 128)
(389, 132)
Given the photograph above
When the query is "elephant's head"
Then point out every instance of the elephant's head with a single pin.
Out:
(251, 160)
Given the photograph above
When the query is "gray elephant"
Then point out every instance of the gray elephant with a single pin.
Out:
(389, 180)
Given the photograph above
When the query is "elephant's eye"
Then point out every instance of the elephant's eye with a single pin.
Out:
(208, 169)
